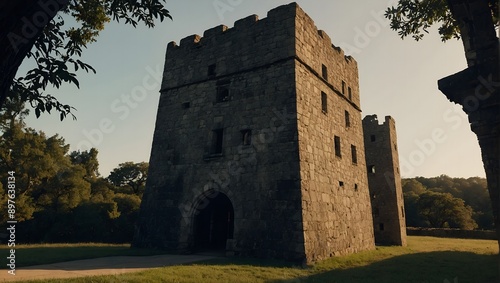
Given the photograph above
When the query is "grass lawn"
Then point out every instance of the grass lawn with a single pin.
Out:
(425, 259)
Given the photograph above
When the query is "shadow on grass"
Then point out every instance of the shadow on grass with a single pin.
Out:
(439, 267)
(257, 262)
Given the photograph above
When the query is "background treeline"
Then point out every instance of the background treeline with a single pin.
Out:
(60, 195)
(442, 202)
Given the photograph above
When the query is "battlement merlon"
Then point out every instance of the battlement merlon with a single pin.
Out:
(389, 120)
(373, 120)
(276, 14)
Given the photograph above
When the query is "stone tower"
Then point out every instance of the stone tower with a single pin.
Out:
(384, 181)
(258, 147)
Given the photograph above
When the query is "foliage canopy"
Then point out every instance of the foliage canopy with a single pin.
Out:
(60, 196)
(56, 51)
(445, 201)
(415, 17)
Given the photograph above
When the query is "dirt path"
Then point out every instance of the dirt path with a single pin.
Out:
(98, 266)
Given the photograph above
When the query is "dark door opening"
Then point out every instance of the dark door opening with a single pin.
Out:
(214, 224)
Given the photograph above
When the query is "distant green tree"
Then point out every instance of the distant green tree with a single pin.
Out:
(87, 159)
(36, 160)
(14, 111)
(44, 173)
(93, 222)
(60, 196)
(28, 153)
(443, 210)
(412, 189)
(128, 205)
(476, 195)
(66, 190)
(101, 190)
(472, 190)
(130, 177)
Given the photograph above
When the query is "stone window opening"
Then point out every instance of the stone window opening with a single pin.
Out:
(347, 119)
(186, 105)
(246, 137)
(349, 93)
(343, 87)
(324, 72)
(371, 169)
(381, 226)
(356, 187)
(336, 141)
(341, 183)
(373, 138)
(354, 154)
(222, 93)
(324, 103)
(211, 70)
(217, 141)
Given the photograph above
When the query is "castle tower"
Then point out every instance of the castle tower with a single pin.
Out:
(384, 181)
(258, 146)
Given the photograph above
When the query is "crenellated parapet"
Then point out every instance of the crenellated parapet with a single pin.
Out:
(286, 33)
(249, 44)
(372, 120)
(217, 33)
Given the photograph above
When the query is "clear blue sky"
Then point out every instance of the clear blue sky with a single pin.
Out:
(397, 78)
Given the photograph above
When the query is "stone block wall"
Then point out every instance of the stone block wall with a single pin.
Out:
(384, 181)
(335, 197)
(315, 50)
(241, 114)
(260, 179)
(253, 62)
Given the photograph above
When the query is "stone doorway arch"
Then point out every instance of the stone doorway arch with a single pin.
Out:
(213, 222)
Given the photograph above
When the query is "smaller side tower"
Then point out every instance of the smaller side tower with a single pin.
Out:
(384, 181)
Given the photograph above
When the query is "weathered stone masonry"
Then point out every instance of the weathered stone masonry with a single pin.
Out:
(384, 180)
(258, 145)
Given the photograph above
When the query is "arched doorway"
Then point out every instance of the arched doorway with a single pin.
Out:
(213, 223)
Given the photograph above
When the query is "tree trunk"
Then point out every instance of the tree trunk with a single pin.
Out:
(477, 87)
(21, 23)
